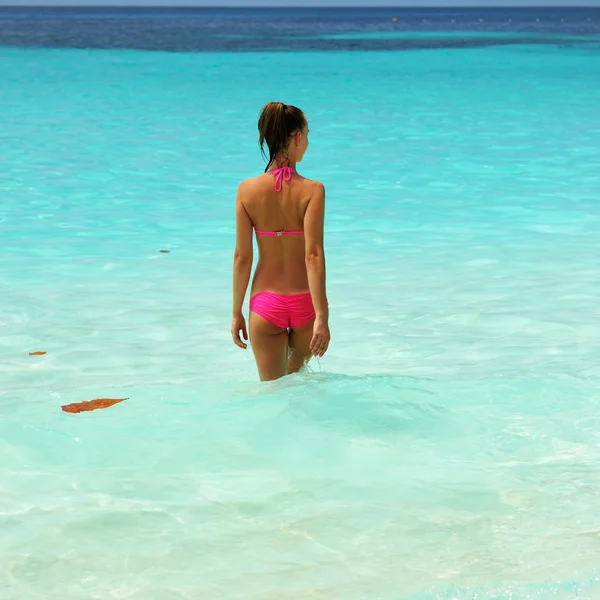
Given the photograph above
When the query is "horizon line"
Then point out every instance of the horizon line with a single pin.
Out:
(370, 6)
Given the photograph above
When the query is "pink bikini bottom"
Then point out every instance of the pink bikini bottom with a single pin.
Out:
(283, 310)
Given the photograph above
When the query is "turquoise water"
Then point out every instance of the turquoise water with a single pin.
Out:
(448, 444)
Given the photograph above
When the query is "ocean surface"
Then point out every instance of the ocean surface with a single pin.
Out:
(447, 447)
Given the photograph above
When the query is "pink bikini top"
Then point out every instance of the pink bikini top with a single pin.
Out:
(282, 174)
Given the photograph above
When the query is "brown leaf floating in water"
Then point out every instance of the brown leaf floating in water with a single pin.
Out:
(37, 353)
(77, 407)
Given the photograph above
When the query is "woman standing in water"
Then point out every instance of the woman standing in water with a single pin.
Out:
(288, 304)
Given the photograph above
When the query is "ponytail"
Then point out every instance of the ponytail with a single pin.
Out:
(276, 125)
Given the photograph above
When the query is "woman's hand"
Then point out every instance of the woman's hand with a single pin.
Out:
(320, 339)
(239, 324)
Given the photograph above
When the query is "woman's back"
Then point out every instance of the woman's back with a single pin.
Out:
(277, 209)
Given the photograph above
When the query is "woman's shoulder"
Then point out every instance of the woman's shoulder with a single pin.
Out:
(250, 186)
(316, 188)
(315, 184)
(250, 181)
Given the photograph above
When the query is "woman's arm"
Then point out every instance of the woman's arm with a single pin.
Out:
(314, 220)
(242, 264)
(242, 256)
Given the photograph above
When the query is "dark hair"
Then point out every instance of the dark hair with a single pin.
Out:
(276, 125)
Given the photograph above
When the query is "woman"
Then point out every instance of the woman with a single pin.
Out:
(288, 304)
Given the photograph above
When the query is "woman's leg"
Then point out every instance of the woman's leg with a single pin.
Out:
(270, 346)
(300, 353)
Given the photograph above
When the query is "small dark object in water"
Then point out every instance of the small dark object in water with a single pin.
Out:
(37, 353)
(77, 407)
(166, 251)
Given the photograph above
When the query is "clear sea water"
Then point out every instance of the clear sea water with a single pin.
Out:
(446, 447)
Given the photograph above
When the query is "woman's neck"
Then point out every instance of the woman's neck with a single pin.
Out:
(283, 162)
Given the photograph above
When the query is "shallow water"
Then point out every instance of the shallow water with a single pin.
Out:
(328, 485)
(445, 447)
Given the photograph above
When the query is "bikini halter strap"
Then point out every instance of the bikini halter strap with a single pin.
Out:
(282, 174)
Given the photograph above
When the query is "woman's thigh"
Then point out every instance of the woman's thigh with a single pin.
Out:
(299, 343)
(270, 346)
